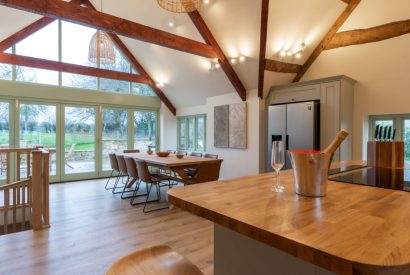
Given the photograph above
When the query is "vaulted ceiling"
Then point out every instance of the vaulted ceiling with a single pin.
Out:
(235, 25)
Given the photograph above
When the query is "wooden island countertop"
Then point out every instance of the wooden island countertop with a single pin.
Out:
(355, 229)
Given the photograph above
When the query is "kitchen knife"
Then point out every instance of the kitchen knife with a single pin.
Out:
(394, 134)
(385, 133)
(389, 133)
(376, 132)
(379, 137)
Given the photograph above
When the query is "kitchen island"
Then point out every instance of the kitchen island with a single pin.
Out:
(355, 229)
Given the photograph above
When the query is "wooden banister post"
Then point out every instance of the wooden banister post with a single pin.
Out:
(46, 182)
(37, 191)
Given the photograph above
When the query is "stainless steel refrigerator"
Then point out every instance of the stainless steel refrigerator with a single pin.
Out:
(297, 125)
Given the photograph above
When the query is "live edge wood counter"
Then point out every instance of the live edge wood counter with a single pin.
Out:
(353, 230)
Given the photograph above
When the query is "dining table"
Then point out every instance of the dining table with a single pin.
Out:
(171, 163)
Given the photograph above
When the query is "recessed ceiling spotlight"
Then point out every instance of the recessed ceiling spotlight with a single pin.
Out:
(298, 55)
(283, 53)
(234, 61)
(160, 84)
(207, 1)
(242, 59)
(171, 22)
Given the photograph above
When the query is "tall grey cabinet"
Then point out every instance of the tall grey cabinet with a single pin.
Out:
(335, 95)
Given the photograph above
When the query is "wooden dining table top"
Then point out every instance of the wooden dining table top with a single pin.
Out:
(355, 229)
(171, 160)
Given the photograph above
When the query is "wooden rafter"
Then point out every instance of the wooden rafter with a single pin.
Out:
(223, 60)
(374, 34)
(131, 58)
(20, 60)
(44, 21)
(262, 49)
(111, 24)
(328, 37)
(24, 33)
(347, 1)
(281, 67)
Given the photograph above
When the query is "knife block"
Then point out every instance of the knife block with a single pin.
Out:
(385, 154)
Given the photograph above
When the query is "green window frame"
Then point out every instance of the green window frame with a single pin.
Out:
(191, 135)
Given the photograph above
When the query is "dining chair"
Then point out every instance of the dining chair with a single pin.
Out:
(133, 174)
(122, 166)
(192, 171)
(131, 151)
(151, 180)
(194, 154)
(114, 169)
(211, 156)
(152, 261)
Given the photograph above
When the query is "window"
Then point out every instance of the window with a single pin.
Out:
(145, 130)
(399, 122)
(192, 133)
(68, 42)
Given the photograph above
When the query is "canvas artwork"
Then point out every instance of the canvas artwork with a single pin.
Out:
(237, 126)
(221, 126)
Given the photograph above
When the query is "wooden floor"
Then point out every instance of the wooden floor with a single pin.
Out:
(91, 228)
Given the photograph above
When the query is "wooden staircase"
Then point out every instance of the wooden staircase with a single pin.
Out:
(24, 200)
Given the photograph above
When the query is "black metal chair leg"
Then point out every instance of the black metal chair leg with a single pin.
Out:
(159, 199)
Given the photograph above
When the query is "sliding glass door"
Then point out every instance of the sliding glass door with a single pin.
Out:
(80, 141)
(114, 134)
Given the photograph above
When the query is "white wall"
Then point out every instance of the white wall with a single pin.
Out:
(236, 162)
(168, 129)
(382, 71)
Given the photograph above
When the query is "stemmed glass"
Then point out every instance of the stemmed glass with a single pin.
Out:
(277, 163)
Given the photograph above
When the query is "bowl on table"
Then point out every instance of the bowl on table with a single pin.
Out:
(149, 152)
(162, 154)
(180, 156)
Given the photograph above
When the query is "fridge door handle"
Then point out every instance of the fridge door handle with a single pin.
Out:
(287, 143)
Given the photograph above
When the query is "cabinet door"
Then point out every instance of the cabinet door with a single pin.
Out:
(296, 94)
(330, 114)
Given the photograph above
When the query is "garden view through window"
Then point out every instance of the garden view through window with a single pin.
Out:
(192, 133)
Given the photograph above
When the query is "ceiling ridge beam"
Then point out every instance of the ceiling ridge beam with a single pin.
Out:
(262, 45)
(124, 49)
(111, 24)
(328, 37)
(374, 34)
(25, 32)
(39, 63)
(282, 67)
(222, 59)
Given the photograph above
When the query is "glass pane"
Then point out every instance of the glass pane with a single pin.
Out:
(384, 123)
(114, 133)
(116, 86)
(145, 128)
(121, 64)
(34, 75)
(191, 133)
(75, 42)
(142, 89)
(200, 122)
(407, 142)
(42, 44)
(38, 128)
(4, 135)
(6, 70)
(79, 81)
(79, 140)
(182, 134)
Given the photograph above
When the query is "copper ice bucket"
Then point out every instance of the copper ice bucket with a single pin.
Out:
(310, 169)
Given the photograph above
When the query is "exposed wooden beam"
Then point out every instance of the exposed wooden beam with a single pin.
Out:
(111, 24)
(223, 60)
(374, 34)
(328, 37)
(282, 67)
(262, 48)
(20, 60)
(131, 58)
(24, 33)
(347, 1)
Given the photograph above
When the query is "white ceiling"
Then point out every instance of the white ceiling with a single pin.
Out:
(236, 26)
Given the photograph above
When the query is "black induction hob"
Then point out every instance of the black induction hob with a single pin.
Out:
(397, 179)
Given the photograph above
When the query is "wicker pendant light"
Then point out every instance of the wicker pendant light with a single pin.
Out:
(180, 6)
(102, 49)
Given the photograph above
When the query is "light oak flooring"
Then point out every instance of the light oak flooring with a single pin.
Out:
(91, 228)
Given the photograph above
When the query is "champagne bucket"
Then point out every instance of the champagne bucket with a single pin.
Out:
(310, 169)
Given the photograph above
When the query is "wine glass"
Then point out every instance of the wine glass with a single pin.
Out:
(277, 163)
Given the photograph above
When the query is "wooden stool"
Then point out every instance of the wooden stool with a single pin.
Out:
(154, 260)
